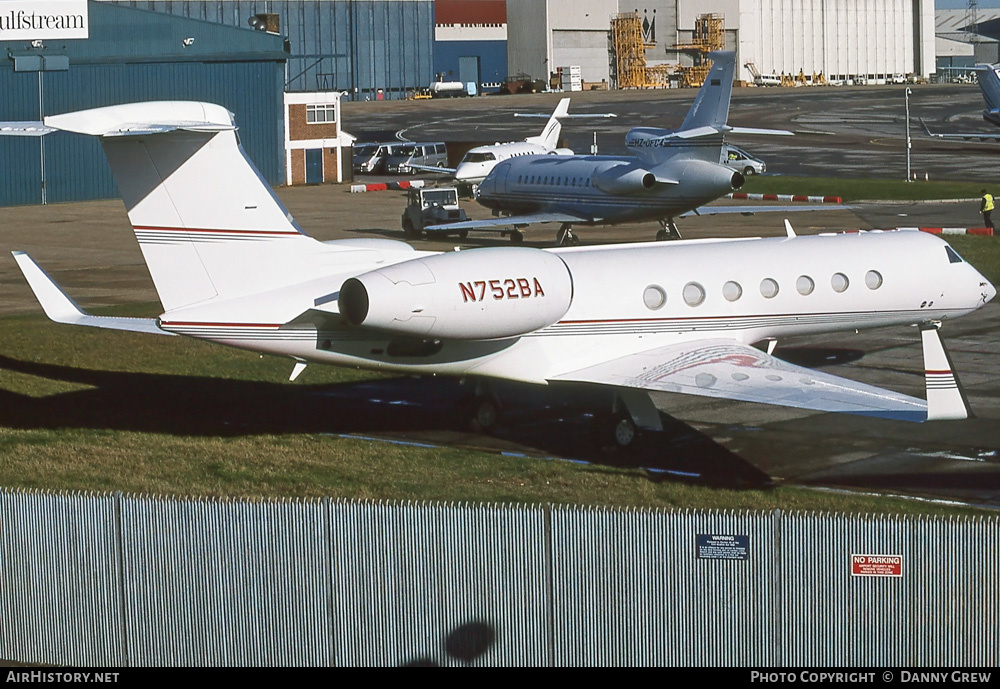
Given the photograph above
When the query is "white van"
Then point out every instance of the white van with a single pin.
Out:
(429, 154)
(738, 159)
(369, 158)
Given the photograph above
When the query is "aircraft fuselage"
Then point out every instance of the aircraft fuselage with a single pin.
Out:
(447, 313)
(604, 189)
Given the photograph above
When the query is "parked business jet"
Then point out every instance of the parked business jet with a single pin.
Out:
(231, 266)
(672, 172)
(988, 77)
(479, 161)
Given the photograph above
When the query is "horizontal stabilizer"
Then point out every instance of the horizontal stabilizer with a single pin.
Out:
(61, 309)
(756, 130)
(135, 119)
(24, 129)
(730, 370)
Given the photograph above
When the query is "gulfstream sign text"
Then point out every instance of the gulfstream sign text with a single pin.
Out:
(29, 20)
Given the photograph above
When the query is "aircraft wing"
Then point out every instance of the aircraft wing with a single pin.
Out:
(429, 168)
(984, 136)
(751, 210)
(61, 309)
(507, 221)
(730, 370)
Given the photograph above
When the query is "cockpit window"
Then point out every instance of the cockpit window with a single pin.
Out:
(478, 157)
(953, 256)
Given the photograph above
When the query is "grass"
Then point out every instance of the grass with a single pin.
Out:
(84, 409)
(851, 190)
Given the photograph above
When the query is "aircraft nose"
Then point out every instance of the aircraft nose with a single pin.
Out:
(989, 291)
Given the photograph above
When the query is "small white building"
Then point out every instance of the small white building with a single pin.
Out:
(316, 149)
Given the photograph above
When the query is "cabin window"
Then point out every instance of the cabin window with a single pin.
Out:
(805, 285)
(873, 279)
(519, 179)
(694, 294)
(732, 291)
(839, 282)
(768, 288)
(654, 297)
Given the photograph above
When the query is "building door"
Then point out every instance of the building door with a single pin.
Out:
(468, 71)
(314, 165)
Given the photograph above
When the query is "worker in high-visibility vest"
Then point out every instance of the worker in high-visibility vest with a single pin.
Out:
(986, 208)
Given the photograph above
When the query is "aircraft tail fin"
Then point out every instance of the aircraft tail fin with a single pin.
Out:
(989, 84)
(207, 222)
(549, 138)
(711, 105)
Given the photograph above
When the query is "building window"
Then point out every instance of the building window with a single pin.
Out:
(321, 114)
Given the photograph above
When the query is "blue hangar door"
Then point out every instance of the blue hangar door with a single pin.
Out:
(314, 166)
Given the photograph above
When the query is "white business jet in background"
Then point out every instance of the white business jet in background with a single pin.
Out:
(480, 160)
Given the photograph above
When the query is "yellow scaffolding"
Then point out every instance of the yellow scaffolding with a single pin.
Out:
(709, 34)
(628, 51)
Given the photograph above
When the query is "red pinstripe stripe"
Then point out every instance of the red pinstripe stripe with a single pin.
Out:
(199, 229)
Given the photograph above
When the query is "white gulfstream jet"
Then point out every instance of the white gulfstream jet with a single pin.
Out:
(231, 266)
(478, 161)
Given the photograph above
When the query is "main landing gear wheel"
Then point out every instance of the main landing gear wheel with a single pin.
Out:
(565, 236)
(668, 230)
(623, 431)
(485, 414)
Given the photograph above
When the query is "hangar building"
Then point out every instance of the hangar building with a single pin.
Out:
(842, 39)
(169, 58)
(358, 46)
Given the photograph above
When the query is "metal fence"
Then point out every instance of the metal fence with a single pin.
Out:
(115, 580)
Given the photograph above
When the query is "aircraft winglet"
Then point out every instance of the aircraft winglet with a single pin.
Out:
(60, 308)
(945, 398)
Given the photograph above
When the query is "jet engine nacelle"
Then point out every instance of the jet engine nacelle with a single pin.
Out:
(624, 179)
(704, 176)
(467, 295)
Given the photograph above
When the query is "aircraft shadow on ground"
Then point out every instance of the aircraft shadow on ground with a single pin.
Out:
(537, 421)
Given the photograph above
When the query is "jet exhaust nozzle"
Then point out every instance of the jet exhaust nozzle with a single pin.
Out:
(738, 180)
(469, 295)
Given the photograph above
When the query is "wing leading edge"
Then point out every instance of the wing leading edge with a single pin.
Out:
(508, 221)
(730, 370)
